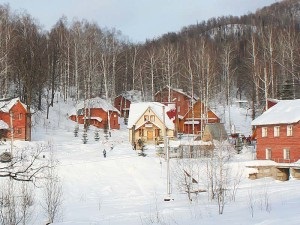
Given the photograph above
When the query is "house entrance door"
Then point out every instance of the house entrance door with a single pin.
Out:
(150, 135)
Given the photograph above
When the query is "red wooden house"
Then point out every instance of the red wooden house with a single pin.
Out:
(192, 115)
(123, 101)
(196, 118)
(97, 112)
(181, 100)
(277, 132)
(13, 115)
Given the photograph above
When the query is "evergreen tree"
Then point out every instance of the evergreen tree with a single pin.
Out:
(141, 146)
(97, 137)
(84, 137)
(105, 130)
(76, 129)
(286, 90)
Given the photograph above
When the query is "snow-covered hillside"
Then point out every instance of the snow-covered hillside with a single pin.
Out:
(128, 189)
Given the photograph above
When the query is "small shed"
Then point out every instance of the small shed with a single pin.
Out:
(214, 131)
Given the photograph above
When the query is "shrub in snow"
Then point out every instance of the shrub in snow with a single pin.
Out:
(84, 137)
(96, 137)
(76, 131)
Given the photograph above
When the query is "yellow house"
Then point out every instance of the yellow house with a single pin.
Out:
(146, 122)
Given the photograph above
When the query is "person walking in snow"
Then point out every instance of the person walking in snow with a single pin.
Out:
(104, 153)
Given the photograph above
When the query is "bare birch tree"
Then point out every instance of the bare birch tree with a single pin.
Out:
(16, 203)
(52, 194)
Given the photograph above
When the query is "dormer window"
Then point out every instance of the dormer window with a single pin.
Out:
(146, 118)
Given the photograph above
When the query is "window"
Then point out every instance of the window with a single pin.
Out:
(289, 130)
(286, 153)
(268, 153)
(141, 132)
(276, 131)
(178, 108)
(178, 98)
(20, 116)
(152, 118)
(264, 131)
(146, 118)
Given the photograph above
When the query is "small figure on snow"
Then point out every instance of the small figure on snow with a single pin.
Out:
(111, 147)
(104, 153)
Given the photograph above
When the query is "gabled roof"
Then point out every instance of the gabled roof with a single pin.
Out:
(284, 112)
(132, 95)
(138, 109)
(7, 104)
(94, 103)
(178, 91)
(216, 130)
(204, 109)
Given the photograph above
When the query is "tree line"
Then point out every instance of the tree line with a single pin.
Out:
(252, 57)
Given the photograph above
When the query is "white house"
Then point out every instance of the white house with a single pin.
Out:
(147, 120)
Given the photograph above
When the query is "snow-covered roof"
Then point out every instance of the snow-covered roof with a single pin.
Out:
(138, 109)
(180, 91)
(132, 95)
(94, 103)
(3, 125)
(7, 104)
(95, 118)
(284, 112)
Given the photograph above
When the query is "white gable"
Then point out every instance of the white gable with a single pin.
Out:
(138, 109)
(284, 112)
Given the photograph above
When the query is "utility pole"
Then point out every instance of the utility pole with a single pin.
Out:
(166, 150)
(11, 132)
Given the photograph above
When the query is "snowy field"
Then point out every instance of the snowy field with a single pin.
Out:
(127, 189)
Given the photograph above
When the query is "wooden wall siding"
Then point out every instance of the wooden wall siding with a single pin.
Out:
(19, 121)
(196, 113)
(143, 128)
(182, 101)
(97, 112)
(122, 104)
(277, 144)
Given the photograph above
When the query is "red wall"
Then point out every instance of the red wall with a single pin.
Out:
(196, 112)
(114, 118)
(19, 121)
(277, 144)
(182, 101)
(120, 104)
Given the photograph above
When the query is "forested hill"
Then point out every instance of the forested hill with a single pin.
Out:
(252, 57)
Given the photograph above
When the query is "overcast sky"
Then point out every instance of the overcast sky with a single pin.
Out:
(136, 19)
